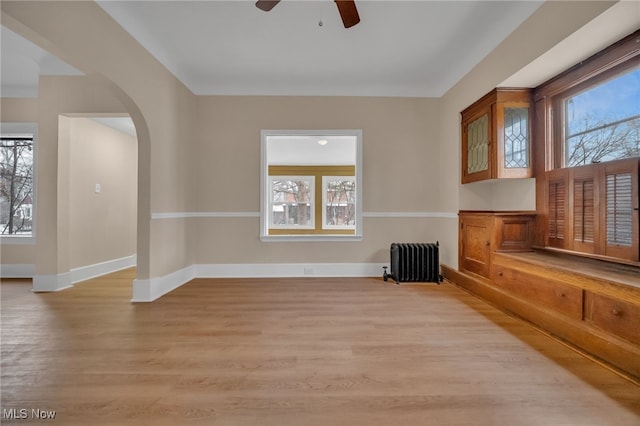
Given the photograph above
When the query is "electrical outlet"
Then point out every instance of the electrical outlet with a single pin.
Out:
(98, 188)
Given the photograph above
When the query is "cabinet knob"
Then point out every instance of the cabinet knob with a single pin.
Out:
(500, 273)
(617, 312)
(487, 243)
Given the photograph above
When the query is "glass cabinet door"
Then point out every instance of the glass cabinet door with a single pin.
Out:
(516, 138)
(478, 145)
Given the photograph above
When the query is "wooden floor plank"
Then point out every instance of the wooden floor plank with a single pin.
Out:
(312, 351)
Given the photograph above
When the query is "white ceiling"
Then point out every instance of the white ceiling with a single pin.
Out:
(400, 48)
(22, 64)
(304, 149)
(122, 124)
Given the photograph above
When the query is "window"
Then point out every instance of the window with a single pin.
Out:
(311, 185)
(339, 202)
(592, 154)
(602, 122)
(16, 185)
(291, 201)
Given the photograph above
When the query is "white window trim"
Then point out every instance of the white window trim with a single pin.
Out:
(265, 185)
(325, 182)
(312, 215)
(15, 130)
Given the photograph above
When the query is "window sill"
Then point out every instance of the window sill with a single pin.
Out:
(17, 240)
(309, 238)
(577, 254)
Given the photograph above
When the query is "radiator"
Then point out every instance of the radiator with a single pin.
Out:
(414, 262)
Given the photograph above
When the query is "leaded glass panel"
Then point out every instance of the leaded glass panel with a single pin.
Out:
(516, 138)
(478, 145)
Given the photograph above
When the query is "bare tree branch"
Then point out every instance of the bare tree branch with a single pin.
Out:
(603, 140)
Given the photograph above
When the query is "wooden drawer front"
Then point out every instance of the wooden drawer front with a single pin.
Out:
(539, 291)
(614, 316)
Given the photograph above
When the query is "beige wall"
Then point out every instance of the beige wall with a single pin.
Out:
(400, 165)
(17, 254)
(399, 149)
(18, 110)
(102, 226)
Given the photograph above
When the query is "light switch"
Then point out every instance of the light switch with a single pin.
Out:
(98, 188)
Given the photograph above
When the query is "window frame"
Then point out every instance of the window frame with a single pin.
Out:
(303, 235)
(24, 129)
(549, 151)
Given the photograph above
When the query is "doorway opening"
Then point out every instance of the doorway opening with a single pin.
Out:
(101, 153)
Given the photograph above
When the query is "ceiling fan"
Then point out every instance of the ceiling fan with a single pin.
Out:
(347, 9)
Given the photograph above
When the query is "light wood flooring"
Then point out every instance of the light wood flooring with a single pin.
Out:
(303, 352)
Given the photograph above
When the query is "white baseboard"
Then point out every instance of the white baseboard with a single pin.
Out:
(151, 289)
(84, 273)
(283, 270)
(18, 270)
(45, 283)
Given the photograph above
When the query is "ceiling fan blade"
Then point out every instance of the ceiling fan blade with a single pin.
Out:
(266, 5)
(348, 12)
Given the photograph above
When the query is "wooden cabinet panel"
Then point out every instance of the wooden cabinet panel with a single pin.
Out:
(614, 316)
(514, 233)
(476, 241)
(545, 292)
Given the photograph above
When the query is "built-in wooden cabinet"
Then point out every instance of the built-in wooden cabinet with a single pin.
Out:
(484, 232)
(496, 136)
